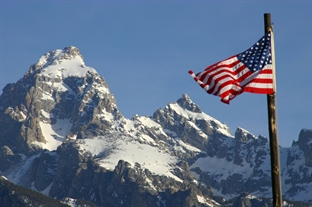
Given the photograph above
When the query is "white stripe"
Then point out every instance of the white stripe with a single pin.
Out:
(206, 87)
(200, 74)
(229, 87)
(249, 78)
(229, 60)
(265, 76)
(226, 78)
(219, 84)
(212, 70)
(259, 85)
(256, 74)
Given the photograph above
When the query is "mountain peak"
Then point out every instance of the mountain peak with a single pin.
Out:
(242, 135)
(61, 64)
(305, 144)
(186, 102)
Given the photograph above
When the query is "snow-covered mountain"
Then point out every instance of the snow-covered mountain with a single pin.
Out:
(63, 135)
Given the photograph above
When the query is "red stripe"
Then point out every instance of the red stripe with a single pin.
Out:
(231, 81)
(227, 68)
(215, 67)
(231, 93)
(227, 93)
(266, 71)
(228, 73)
(243, 77)
(258, 90)
(234, 81)
(261, 80)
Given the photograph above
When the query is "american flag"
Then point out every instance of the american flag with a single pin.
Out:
(250, 71)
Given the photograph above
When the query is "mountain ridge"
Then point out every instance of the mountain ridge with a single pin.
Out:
(65, 137)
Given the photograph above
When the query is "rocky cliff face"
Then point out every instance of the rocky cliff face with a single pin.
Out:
(63, 135)
(305, 144)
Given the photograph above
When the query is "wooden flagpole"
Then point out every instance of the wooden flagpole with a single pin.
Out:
(274, 147)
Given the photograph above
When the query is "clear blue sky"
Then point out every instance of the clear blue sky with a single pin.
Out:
(144, 50)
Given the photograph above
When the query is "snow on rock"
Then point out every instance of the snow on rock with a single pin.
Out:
(70, 202)
(54, 134)
(3, 177)
(64, 63)
(109, 150)
(243, 135)
(188, 146)
(192, 116)
(18, 171)
(222, 168)
(207, 202)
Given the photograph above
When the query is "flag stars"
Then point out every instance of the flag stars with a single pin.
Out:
(257, 56)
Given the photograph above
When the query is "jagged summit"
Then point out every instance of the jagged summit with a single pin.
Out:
(186, 110)
(58, 95)
(62, 63)
(305, 144)
(186, 102)
(243, 135)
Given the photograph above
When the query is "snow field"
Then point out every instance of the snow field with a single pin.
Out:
(109, 150)
(54, 134)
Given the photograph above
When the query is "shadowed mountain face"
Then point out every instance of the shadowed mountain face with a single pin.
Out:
(61, 134)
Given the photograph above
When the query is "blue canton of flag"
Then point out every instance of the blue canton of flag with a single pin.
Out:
(259, 55)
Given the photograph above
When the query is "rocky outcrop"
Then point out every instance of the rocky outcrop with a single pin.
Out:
(204, 136)
(7, 157)
(13, 195)
(245, 200)
(43, 169)
(82, 177)
(305, 144)
(186, 103)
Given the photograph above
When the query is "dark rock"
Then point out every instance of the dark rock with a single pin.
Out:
(305, 144)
